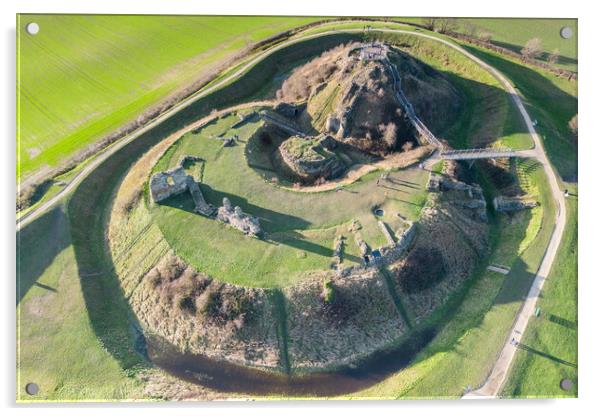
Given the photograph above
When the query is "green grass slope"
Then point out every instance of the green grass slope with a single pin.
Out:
(83, 76)
(551, 338)
(57, 345)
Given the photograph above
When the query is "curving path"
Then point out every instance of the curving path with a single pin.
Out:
(499, 372)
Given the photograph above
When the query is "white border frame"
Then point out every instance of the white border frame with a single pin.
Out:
(590, 287)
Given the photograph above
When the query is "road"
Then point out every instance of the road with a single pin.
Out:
(499, 372)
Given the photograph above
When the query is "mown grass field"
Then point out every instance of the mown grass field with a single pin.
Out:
(300, 227)
(552, 337)
(83, 76)
(88, 353)
(514, 33)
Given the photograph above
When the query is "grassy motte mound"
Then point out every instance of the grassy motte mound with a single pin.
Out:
(275, 304)
(354, 98)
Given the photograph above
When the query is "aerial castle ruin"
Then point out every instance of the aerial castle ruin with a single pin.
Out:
(164, 185)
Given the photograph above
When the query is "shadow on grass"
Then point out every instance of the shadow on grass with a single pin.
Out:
(279, 228)
(402, 182)
(552, 106)
(352, 258)
(393, 188)
(562, 59)
(297, 240)
(111, 317)
(37, 246)
(271, 221)
(43, 286)
(545, 355)
(561, 321)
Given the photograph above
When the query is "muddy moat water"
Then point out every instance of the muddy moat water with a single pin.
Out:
(232, 378)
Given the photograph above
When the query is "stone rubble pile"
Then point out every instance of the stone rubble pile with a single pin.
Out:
(235, 217)
(510, 204)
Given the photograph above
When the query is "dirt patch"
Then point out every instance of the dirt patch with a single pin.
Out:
(161, 386)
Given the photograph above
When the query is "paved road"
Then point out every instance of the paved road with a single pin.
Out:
(499, 372)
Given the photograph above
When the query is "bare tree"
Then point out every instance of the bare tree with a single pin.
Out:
(553, 56)
(485, 36)
(429, 22)
(390, 135)
(533, 48)
(407, 146)
(447, 25)
(470, 28)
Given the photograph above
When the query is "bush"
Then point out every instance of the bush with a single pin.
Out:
(226, 304)
(328, 293)
(187, 304)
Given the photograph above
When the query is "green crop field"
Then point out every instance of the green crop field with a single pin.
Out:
(82, 77)
(514, 33)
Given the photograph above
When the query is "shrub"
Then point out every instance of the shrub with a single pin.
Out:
(574, 125)
(187, 304)
(224, 304)
(532, 49)
(390, 135)
(328, 292)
